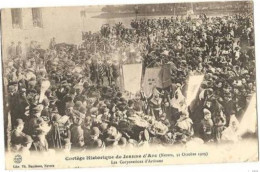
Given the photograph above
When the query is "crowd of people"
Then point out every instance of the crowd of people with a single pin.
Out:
(70, 97)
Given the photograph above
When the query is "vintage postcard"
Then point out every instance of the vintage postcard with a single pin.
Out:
(129, 85)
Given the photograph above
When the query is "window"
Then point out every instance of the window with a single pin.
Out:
(37, 17)
(16, 17)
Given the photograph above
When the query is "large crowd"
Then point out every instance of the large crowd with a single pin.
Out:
(70, 97)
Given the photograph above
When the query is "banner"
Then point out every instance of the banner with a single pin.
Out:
(132, 74)
(193, 87)
(44, 87)
(249, 120)
(156, 77)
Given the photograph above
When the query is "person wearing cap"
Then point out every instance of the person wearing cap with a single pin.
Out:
(40, 143)
(46, 113)
(26, 145)
(77, 105)
(17, 135)
(77, 133)
(94, 138)
(122, 143)
(13, 98)
(86, 126)
(185, 124)
(36, 111)
(39, 128)
(54, 135)
(96, 118)
(219, 125)
(105, 116)
(163, 119)
(206, 129)
(113, 136)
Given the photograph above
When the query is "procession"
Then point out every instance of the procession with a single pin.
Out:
(163, 81)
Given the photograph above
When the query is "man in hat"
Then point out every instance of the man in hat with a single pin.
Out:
(26, 145)
(94, 141)
(54, 136)
(219, 125)
(46, 113)
(13, 102)
(40, 129)
(105, 116)
(86, 126)
(33, 120)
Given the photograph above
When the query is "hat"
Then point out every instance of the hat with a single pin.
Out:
(78, 104)
(206, 111)
(18, 122)
(95, 131)
(11, 88)
(122, 141)
(98, 143)
(27, 139)
(83, 110)
(129, 113)
(103, 127)
(45, 102)
(56, 117)
(37, 109)
(123, 100)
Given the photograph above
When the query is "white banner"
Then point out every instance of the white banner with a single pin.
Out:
(193, 87)
(132, 74)
(249, 120)
(44, 87)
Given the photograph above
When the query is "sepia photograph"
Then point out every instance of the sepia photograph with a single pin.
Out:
(136, 84)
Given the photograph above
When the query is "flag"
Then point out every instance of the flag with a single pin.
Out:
(156, 77)
(193, 87)
(132, 74)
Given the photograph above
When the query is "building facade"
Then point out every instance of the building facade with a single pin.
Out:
(41, 24)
